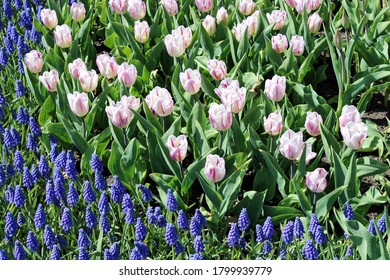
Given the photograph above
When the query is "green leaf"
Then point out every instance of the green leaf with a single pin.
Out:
(330, 143)
(77, 139)
(166, 182)
(206, 42)
(208, 88)
(47, 110)
(350, 178)
(280, 214)
(325, 203)
(367, 166)
(214, 196)
(276, 172)
(303, 199)
(339, 170)
(243, 46)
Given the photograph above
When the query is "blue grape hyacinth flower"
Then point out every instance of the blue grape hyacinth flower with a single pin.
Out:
(243, 220)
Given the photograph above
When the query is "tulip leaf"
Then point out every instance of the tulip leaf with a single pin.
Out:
(78, 140)
(47, 110)
(276, 172)
(280, 214)
(325, 203)
(213, 196)
(367, 166)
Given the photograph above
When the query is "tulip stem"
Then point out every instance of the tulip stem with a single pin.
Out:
(314, 202)
(124, 137)
(163, 123)
(181, 170)
(84, 131)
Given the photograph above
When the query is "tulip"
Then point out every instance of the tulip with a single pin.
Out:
(78, 11)
(127, 74)
(222, 16)
(246, 7)
(118, 6)
(220, 117)
(354, 134)
(349, 113)
(141, 31)
(275, 89)
(131, 102)
(314, 22)
(76, 67)
(177, 147)
(217, 69)
(107, 65)
(297, 44)
(313, 4)
(175, 45)
(253, 23)
(136, 8)
(215, 168)
(309, 4)
(290, 3)
(316, 180)
(279, 43)
(273, 125)
(210, 25)
(34, 61)
(160, 102)
(278, 18)
(78, 103)
(88, 80)
(204, 5)
(49, 18)
(291, 145)
(191, 81)
(239, 30)
(226, 84)
(185, 32)
(50, 80)
(312, 123)
(119, 114)
(232, 96)
(309, 153)
(170, 6)
(63, 36)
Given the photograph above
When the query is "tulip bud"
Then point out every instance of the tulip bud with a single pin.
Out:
(160, 102)
(314, 22)
(278, 18)
(107, 65)
(222, 16)
(34, 61)
(312, 123)
(215, 168)
(275, 88)
(76, 67)
(204, 5)
(50, 80)
(191, 81)
(337, 39)
(210, 25)
(78, 103)
(316, 180)
(345, 21)
(137, 9)
(354, 134)
(118, 6)
(291, 144)
(246, 7)
(175, 45)
(273, 125)
(217, 69)
(184, 32)
(131, 102)
(49, 18)
(170, 6)
(177, 147)
(119, 114)
(127, 74)
(290, 3)
(226, 84)
(279, 43)
(232, 96)
(252, 23)
(141, 31)
(297, 44)
(239, 30)
(301, 4)
(313, 4)
(78, 11)
(220, 117)
(309, 153)
(349, 113)
(88, 80)
(63, 36)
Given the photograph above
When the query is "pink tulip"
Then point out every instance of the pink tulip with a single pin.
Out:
(301, 4)
(309, 153)
(118, 6)
(217, 69)
(279, 43)
(136, 8)
(316, 180)
(220, 117)
(170, 6)
(215, 168)
(88, 80)
(290, 3)
(313, 4)
(204, 5)
(253, 23)
(177, 147)
(291, 144)
(210, 24)
(141, 31)
(78, 103)
(297, 44)
(222, 16)
(273, 125)
(185, 32)
(76, 67)
(314, 22)
(131, 102)
(232, 96)
(160, 102)
(313, 123)
(191, 81)
(107, 65)
(127, 74)
(175, 45)
(119, 114)
(225, 85)
(275, 89)
(354, 134)
(49, 18)
(78, 11)
(349, 113)
(34, 61)
(239, 30)
(63, 36)
(278, 18)
(246, 7)
(50, 80)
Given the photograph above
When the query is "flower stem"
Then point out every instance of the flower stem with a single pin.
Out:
(84, 131)
(124, 137)
(314, 202)
(181, 170)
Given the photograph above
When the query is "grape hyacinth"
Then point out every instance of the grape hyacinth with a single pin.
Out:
(114, 250)
(171, 202)
(298, 230)
(96, 164)
(3, 255)
(73, 196)
(288, 232)
(349, 252)
(117, 190)
(49, 238)
(199, 216)
(233, 236)
(32, 242)
(382, 224)
(259, 234)
(195, 227)
(100, 182)
(198, 244)
(129, 216)
(103, 204)
(268, 228)
(9, 194)
(161, 221)
(140, 230)
(83, 254)
(19, 89)
(348, 212)
(19, 199)
(146, 193)
(28, 180)
(43, 166)
(105, 224)
(83, 240)
(313, 225)
(66, 220)
(267, 247)
(170, 234)
(371, 227)
(20, 220)
(60, 161)
(70, 170)
(90, 218)
(18, 161)
(36, 175)
(40, 217)
(127, 203)
(142, 249)
(89, 194)
(309, 252)
(243, 220)
(320, 237)
(19, 252)
(179, 248)
(11, 226)
(50, 194)
(152, 219)
(182, 220)
(55, 253)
